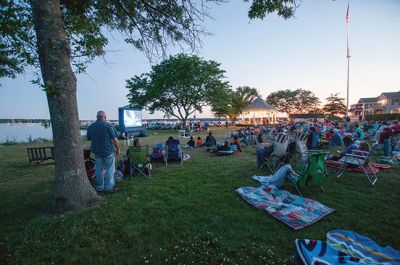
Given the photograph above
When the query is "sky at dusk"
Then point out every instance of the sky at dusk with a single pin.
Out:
(308, 51)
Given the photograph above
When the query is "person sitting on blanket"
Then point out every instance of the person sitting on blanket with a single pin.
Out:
(237, 142)
(199, 142)
(337, 139)
(210, 140)
(191, 142)
(224, 147)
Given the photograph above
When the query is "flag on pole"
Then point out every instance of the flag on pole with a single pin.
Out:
(348, 14)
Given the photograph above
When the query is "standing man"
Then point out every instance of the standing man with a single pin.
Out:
(104, 139)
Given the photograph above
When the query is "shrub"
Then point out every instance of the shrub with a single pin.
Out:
(383, 117)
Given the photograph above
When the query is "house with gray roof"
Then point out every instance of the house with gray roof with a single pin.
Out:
(387, 102)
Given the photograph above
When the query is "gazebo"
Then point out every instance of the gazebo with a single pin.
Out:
(259, 112)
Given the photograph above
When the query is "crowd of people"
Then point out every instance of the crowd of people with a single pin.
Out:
(316, 135)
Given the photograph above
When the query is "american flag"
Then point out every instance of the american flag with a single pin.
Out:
(348, 14)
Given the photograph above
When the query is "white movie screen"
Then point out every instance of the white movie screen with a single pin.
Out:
(132, 118)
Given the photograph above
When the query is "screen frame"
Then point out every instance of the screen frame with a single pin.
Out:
(121, 115)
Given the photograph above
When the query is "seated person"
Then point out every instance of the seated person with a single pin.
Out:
(263, 153)
(278, 179)
(328, 136)
(240, 134)
(349, 147)
(172, 147)
(358, 133)
(199, 142)
(364, 146)
(172, 141)
(127, 169)
(385, 134)
(237, 143)
(224, 147)
(260, 137)
(337, 139)
(210, 140)
(312, 139)
(136, 142)
(395, 127)
(191, 142)
(169, 140)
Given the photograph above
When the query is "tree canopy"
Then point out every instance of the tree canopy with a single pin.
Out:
(293, 101)
(178, 86)
(150, 26)
(260, 8)
(334, 105)
(234, 101)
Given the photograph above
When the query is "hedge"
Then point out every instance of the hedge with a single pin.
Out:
(383, 117)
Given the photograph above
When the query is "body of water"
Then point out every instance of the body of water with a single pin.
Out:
(20, 132)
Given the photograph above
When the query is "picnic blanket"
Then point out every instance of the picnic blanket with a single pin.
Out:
(295, 211)
(344, 247)
(375, 167)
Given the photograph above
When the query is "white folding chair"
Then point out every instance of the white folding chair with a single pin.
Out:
(360, 159)
(280, 143)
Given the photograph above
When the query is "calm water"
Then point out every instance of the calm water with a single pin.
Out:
(21, 131)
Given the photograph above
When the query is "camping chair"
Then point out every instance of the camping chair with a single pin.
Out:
(182, 133)
(139, 160)
(173, 151)
(157, 152)
(314, 172)
(89, 165)
(274, 162)
(360, 159)
(299, 157)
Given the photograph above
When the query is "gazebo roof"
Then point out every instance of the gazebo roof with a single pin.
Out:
(259, 105)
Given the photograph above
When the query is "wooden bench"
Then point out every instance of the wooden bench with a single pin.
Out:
(40, 154)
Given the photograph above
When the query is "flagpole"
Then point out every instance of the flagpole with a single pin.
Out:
(348, 62)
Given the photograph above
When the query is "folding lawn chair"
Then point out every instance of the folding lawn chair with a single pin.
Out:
(274, 162)
(89, 165)
(299, 156)
(314, 171)
(139, 160)
(360, 159)
(173, 151)
(158, 152)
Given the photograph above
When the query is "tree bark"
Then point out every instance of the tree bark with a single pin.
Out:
(73, 189)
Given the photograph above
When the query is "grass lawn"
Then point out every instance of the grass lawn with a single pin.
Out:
(186, 214)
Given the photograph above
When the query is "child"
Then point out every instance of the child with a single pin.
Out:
(191, 142)
(199, 142)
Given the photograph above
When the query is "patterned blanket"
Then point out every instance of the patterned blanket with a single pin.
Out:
(295, 211)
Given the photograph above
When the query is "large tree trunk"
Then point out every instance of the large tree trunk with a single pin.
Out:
(73, 189)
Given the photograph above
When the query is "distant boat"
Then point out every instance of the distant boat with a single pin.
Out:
(46, 124)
